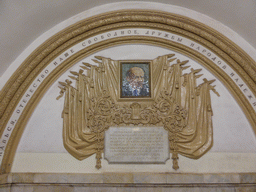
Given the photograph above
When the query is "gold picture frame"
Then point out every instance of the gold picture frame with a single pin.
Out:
(135, 80)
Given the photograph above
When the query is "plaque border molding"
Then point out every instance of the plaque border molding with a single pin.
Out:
(24, 76)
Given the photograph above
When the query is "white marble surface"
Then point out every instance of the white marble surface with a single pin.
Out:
(136, 145)
(123, 182)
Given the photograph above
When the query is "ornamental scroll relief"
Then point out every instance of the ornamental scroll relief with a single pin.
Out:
(145, 93)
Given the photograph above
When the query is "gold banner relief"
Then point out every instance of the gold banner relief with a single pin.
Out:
(137, 93)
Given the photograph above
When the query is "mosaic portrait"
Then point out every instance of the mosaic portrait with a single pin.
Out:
(135, 79)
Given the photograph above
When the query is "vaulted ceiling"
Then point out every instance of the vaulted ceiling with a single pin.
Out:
(23, 21)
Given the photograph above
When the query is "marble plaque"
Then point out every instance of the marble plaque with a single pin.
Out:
(136, 145)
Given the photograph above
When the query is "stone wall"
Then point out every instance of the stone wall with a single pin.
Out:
(120, 182)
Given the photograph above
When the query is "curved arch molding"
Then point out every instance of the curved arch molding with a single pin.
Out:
(27, 85)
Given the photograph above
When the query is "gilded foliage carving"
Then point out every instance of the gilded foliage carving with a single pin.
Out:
(103, 113)
(177, 104)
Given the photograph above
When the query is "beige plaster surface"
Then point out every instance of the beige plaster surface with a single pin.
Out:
(211, 162)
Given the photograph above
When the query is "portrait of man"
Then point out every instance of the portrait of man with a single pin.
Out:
(135, 80)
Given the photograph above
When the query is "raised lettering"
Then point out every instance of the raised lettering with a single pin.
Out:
(146, 145)
(250, 96)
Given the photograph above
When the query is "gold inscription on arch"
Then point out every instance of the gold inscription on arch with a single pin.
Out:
(243, 66)
(113, 34)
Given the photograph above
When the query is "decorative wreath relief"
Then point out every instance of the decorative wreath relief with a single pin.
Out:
(138, 93)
